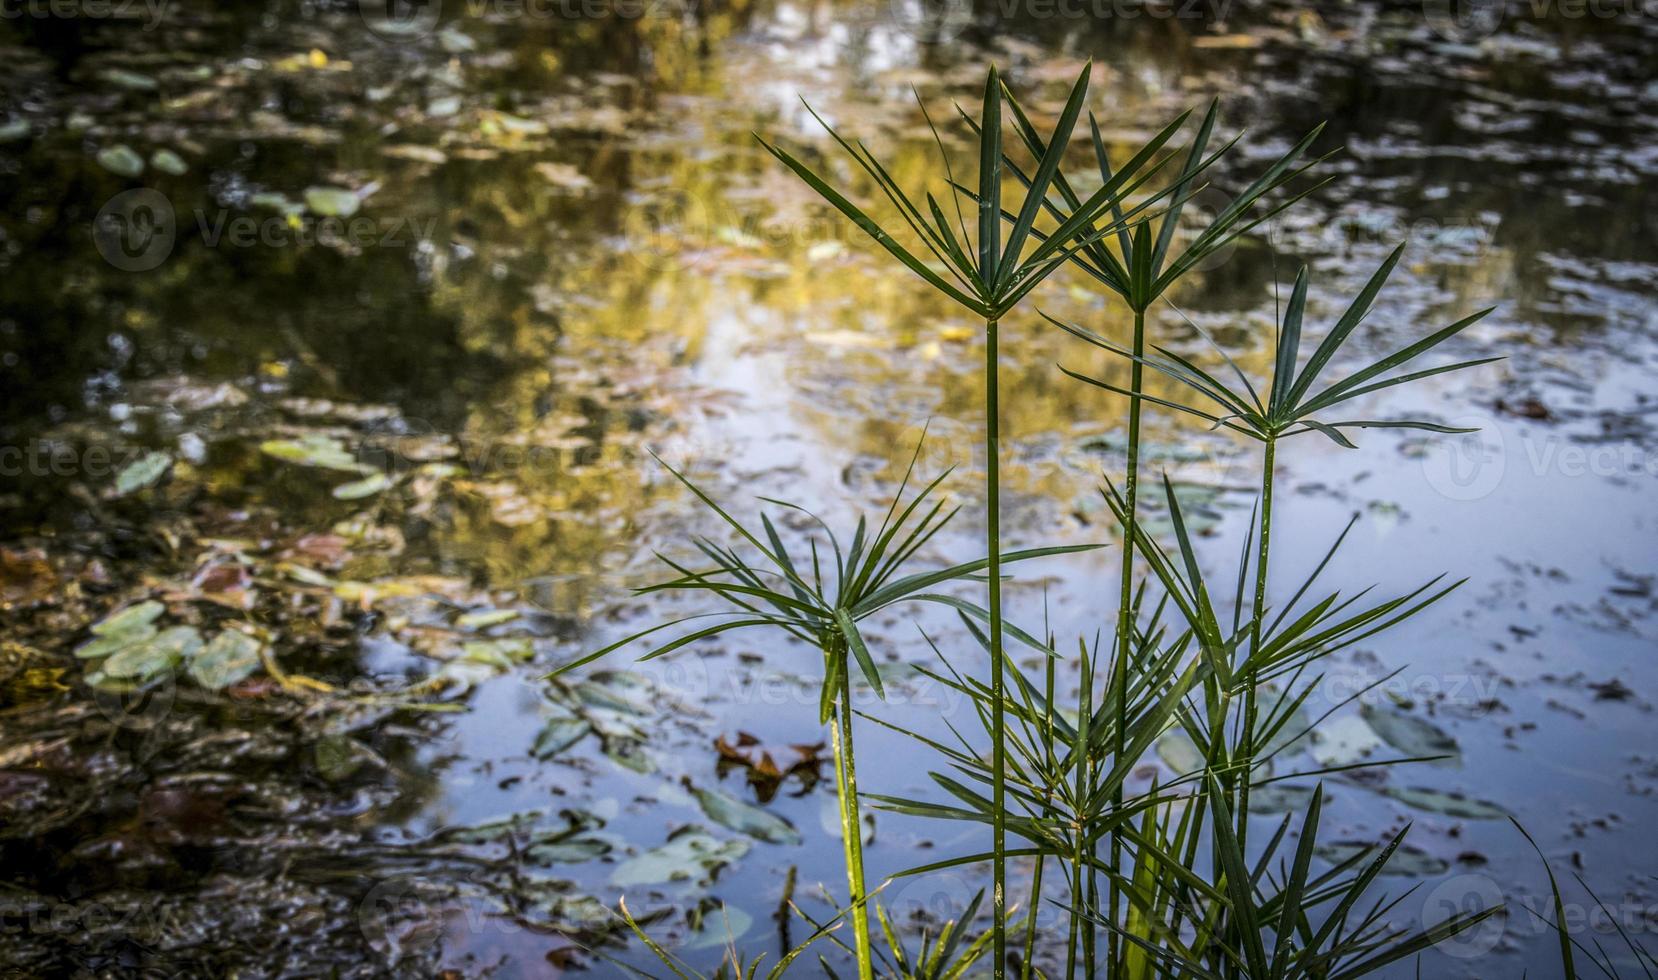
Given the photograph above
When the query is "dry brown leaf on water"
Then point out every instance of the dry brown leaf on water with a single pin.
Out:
(26, 577)
(771, 760)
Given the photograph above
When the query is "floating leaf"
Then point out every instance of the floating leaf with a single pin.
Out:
(129, 627)
(322, 452)
(568, 850)
(692, 855)
(745, 818)
(1410, 734)
(1449, 804)
(1406, 860)
(169, 162)
(142, 472)
(1280, 798)
(630, 753)
(559, 734)
(485, 618)
(130, 618)
(1343, 741)
(228, 658)
(498, 653)
(368, 486)
(332, 202)
(1180, 753)
(720, 926)
(154, 656)
(121, 160)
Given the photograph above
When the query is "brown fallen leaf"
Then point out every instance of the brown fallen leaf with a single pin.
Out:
(770, 761)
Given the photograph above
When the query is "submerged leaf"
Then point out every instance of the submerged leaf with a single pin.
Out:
(1410, 734)
(1406, 860)
(559, 734)
(143, 472)
(1446, 803)
(230, 657)
(745, 818)
(693, 855)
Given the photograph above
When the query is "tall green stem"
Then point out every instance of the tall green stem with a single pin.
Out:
(1125, 607)
(852, 838)
(1259, 612)
(998, 734)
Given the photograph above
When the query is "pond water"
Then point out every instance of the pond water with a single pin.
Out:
(344, 340)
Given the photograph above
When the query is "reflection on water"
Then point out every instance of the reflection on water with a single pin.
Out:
(496, 260)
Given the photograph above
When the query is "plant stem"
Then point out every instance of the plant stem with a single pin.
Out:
(998, 735)
(1125, 612)
(846, 788)
(1259, 611)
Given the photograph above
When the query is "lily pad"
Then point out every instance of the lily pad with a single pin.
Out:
(1448, 804)
(1280, 798)
(568, 850)
(143, 472)
(559, 734)
(745, 818)
(228, 658)
(121, 160)
(1343, 741)
(692, 855)
(169, 162)
(1406, 860)
(720, 926)
(368, 486)
(332, 202)
(1411, 735)
(1180, 753)
(319, 451)
(129, 627)
(153, 657)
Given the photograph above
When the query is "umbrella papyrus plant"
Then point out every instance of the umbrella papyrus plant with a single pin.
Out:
(818, 596)
(988, 274)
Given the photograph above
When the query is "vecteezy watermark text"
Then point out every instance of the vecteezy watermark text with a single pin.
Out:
(138, 229)
(151, 12)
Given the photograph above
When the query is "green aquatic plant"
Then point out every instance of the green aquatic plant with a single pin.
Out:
(1145, 267)
(765, 585)
(988, 275)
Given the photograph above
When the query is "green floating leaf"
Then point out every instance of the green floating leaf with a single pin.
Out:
(1180, 753)
(322, 452)
(630, 753)
(1406, 860)
(143, 472)
(1446, 803)
(559, 734)
(130, 618)
(154, 656)
(121, 160)
(1343, 741)
(721, 926)
(339, 756)
(1280, 798)
(129, 627)
(1410, 734)
(332, 202)
(485, 618)
(498, 653)
(229, 658)
(368, 486)
(169, 162)
(745, 818)
(692, 855)
(568, 850)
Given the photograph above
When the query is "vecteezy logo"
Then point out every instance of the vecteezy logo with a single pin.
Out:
(1466, 895)
(1463, 21)
(135, 230)
(1469, 465)
(400, 20)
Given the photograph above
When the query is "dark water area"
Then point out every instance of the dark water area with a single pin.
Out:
(345, 343)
